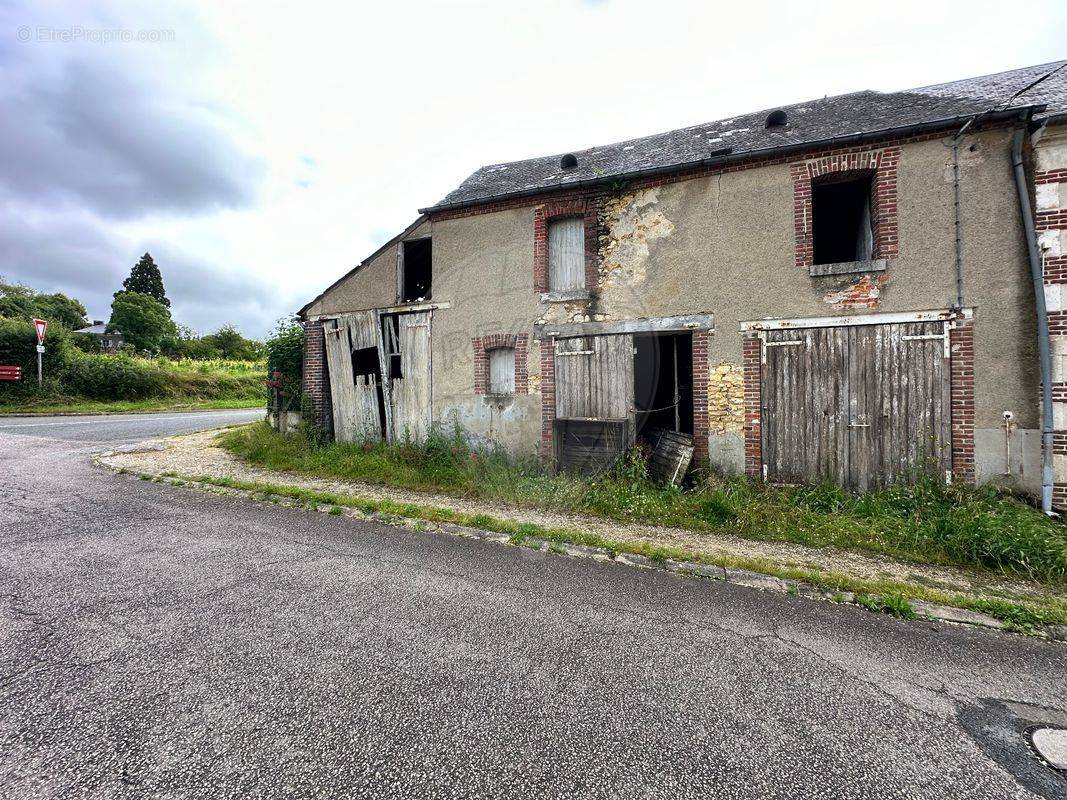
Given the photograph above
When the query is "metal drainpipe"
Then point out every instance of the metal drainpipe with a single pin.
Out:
(1044, 349)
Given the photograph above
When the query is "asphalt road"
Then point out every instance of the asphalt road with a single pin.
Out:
(161, 642)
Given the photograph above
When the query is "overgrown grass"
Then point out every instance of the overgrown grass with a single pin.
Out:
(880, 595)
(924, 522)
(122, 382)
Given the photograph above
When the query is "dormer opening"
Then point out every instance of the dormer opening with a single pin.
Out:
(776, 119)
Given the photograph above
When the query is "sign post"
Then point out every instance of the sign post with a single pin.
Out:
(40, 326)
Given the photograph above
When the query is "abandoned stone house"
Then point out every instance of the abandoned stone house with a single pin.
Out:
(839, 289)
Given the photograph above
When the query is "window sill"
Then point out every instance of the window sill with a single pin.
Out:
(565, 296)
(847, 267)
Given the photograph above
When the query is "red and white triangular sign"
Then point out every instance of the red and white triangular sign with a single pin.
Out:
(41, 327)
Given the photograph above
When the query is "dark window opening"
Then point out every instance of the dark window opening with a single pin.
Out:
(569, 161)
(841, 220)
(391, 340)
(418, 272)
(663, 383)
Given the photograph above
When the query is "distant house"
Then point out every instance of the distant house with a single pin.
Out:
(109, 341)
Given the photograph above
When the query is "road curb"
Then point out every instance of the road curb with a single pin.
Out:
(923, 610)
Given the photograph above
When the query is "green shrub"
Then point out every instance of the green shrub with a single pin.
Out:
(285, 360)
(114, 377)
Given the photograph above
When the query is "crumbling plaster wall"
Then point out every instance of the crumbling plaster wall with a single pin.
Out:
(730, 251)
(724, 244)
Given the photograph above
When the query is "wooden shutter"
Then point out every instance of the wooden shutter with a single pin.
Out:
(566, 254)
(502, 370)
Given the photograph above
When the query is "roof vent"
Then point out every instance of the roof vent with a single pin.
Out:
(776, 119)
(569, 161)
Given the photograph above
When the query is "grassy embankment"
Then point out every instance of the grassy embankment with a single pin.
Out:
(114, 383)
(977, 529)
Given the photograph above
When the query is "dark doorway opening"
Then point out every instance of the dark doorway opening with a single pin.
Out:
(366, 369)
(418, 272)
(841, 219)
(663, 383)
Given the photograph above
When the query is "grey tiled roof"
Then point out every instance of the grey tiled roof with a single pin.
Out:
(823, 120)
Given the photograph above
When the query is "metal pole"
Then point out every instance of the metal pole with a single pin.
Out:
(40, 379)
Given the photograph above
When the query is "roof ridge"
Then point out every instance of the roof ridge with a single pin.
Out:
(1057, 63)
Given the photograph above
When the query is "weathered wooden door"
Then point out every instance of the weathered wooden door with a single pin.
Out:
(409, 395)
(862, 406)
(594, 387)
(356, 416)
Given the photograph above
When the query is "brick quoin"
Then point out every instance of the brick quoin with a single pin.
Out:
(548, 398)
(584, 208)
(700, 395)
(961, 346)
(1054, 269)
(482, 346)
(883, 166)
(751, 355)
(316, 383)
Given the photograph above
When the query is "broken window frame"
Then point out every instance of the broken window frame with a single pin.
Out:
(401, 271)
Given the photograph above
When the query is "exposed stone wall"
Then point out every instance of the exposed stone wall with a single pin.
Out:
(726, 398)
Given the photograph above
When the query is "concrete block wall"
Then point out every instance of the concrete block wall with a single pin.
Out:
(1050, 219)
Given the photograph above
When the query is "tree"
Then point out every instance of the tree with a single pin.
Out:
(145, 278)
(62, 310)
(144, 322)
(229, 343)
(23, 303)
(17, 301)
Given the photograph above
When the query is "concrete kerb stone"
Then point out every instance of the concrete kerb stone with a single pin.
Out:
(734, 575)
(960, 616)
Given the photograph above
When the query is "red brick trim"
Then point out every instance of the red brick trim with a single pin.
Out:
(701, 374)
(315, 380)
(1051, 176)
(548, 399)
(751, 356)
(584, 208)
(961, 342)
(483, 344)
(882, 163)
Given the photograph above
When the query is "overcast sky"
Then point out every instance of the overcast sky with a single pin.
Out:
(259, 150)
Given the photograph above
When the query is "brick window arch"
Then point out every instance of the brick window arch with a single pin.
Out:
(881, 164)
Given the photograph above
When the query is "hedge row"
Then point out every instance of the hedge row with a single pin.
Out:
(71, 372)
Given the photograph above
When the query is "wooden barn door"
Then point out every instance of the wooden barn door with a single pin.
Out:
(862, 406)
(409, 395)
(356, 412)
(594, 400)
